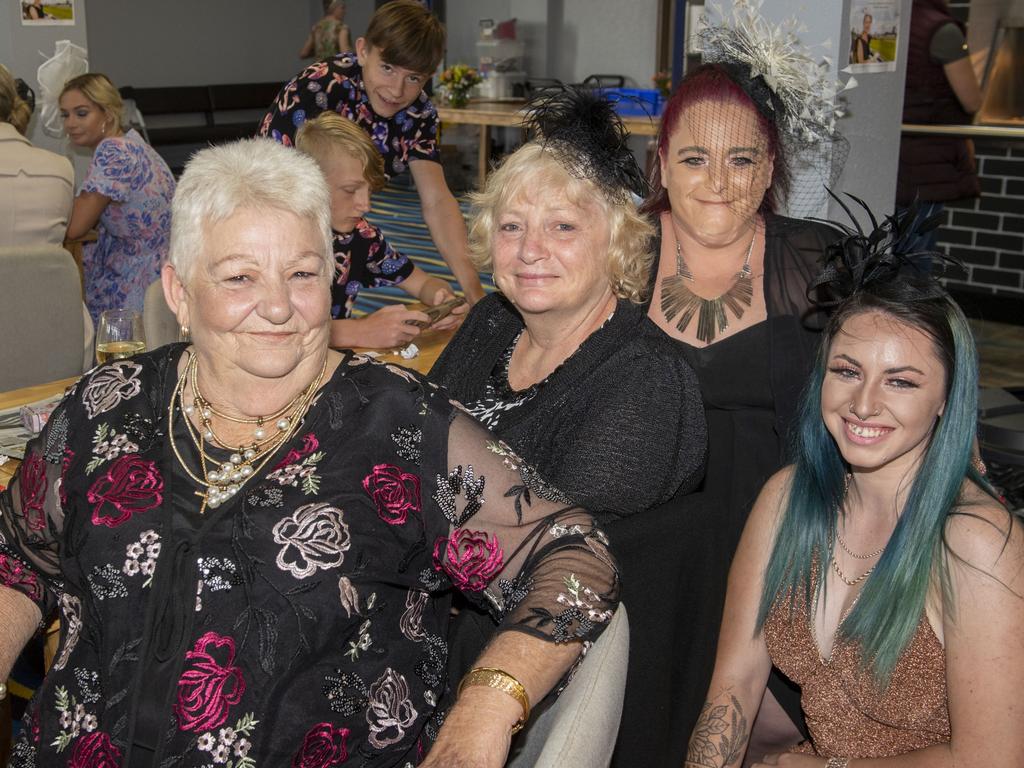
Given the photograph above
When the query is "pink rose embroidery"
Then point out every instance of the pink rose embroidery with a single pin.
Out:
(32, 485)
(95, 750)
(390, 711)
(469, 559)
(396, 493)
(208, 689)
(131, 485)
(64, 466)
(15, 575)
(323, 746)
(309, 444)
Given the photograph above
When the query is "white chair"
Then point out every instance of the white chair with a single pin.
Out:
(579, 728)
(158, 322)
(41, 324)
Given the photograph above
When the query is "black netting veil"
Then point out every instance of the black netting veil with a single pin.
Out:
(580, 126)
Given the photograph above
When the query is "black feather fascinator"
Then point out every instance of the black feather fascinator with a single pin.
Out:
(881, 259)
(587, 137)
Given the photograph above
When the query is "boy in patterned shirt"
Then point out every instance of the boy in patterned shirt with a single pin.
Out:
(379, 87)
(363, 257)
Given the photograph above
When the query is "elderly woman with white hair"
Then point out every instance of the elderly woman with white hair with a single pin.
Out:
(252, 540)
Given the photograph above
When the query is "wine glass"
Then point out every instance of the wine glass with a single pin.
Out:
(119, 335)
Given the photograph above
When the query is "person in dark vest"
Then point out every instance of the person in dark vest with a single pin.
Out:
(941, 88)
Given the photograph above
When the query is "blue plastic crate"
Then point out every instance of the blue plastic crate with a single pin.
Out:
(634, 102)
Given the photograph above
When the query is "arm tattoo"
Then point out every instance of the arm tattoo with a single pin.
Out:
(720, 736)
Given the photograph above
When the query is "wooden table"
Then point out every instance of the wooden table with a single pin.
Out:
(430, 343)
(510, 114)
(16, 397)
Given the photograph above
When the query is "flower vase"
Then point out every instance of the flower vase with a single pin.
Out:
(458, 99)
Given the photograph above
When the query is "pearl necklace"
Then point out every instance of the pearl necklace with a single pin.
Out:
(225, 479)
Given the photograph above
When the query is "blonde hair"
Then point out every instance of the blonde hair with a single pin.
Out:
(13, 108)
(98, 89)
(329, 132)
(532, 170)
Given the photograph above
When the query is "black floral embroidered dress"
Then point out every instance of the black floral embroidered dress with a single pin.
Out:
(336, 84)
(304, 622)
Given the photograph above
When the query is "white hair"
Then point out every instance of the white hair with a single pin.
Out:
(252, 174)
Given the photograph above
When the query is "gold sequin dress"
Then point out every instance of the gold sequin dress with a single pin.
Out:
(847, 715)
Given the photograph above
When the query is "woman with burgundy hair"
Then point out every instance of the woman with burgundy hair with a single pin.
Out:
(730, 282)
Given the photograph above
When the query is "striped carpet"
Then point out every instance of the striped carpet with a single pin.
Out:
(396, 210)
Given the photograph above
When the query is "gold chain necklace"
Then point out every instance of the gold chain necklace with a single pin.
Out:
(835, 564)
(845, 579)
(851, 553)
(205, 412)
(227, 478)
(676, 297)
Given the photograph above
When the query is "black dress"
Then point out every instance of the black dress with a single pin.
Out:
(750, 383)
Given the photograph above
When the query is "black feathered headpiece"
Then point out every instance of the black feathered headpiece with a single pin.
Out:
(587, 137)
(859, 261)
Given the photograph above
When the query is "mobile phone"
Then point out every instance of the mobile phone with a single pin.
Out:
(438, 312)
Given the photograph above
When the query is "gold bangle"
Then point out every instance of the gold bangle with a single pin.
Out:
(502, 681)
(837, 762)
(3, 691)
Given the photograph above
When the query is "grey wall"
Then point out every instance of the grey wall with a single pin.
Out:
(150, 43)
(611, 37)
(566, 39)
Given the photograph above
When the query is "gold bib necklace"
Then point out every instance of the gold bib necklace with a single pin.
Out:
(677, 297)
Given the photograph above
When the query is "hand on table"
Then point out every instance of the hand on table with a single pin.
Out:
(390, 326)
(457, 315)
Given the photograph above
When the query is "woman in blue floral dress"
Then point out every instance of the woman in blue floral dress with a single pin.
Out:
(126, 195)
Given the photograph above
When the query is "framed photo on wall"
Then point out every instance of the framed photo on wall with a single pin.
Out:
(47, 12)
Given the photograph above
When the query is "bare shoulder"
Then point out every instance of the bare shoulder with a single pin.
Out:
(986, 538)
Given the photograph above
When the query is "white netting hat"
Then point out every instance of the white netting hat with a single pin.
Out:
(68, 61)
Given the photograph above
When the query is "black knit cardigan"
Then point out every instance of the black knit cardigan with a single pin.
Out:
(619, 426)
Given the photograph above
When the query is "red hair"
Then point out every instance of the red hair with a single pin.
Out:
(717, 82)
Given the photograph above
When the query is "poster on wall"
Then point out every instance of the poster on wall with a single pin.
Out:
(874, 34)
(47, 12)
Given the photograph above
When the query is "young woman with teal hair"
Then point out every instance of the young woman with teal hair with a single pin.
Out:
(879, 571)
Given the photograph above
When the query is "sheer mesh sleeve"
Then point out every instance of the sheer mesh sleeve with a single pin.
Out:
(516, 546)
(32, 518)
